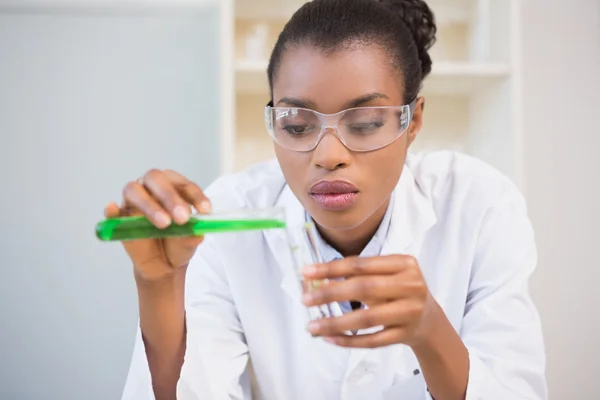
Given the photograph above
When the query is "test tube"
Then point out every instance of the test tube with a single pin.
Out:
(139, 227)
(305, 251)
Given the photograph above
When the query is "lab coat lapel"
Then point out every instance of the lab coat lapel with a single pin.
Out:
(412, 216)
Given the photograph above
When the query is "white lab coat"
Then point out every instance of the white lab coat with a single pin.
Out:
(464, 222)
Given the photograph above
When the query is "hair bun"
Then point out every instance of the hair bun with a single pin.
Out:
(420, 21)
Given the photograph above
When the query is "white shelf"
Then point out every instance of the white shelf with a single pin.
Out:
(251, 77)
(451, 12)
(447, 12)
(447, 78)
(251, 66)
(457, 78)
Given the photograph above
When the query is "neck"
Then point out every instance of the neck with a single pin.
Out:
(352, 242)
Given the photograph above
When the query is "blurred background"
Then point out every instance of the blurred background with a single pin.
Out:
(93, 93)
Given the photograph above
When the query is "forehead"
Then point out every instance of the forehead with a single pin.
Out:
(331, 79)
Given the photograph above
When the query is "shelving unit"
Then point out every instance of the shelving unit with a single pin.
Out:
(446, 77)
(472, 95)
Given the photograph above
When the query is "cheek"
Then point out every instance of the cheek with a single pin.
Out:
(294, 166)
(385, 167)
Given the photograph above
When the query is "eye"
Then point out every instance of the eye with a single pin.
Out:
(296, 123)
(365, 121)
(296, 130)
(365, 128)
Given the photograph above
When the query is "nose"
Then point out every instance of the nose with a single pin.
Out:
(331, 154)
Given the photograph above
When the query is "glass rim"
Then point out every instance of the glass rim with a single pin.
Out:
(411, 106)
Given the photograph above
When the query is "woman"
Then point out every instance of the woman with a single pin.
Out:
(430, 255)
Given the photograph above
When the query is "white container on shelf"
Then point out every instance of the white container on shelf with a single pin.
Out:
(257, 43)
(480, 38)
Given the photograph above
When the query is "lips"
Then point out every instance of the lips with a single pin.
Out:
(334, 195)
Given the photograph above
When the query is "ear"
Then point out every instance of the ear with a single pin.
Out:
(417, 120)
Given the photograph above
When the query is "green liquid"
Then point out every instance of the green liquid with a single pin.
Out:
(135, 228)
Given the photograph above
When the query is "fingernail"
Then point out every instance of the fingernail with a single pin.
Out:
(309, 270)
(205, 207)
(162, 219)
(307, 298)
(181, 214)
(313, 327)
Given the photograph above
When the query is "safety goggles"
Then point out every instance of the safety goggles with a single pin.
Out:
(359, 129)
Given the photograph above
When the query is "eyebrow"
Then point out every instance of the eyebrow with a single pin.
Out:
(366, 99)
(293, 102)
(359, 101)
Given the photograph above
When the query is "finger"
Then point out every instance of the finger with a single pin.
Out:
(370, 303)
(309, 286)
(136, 196)
(386, 337)
(175, 177)
(112, 210)
(356, 266)
(397, 313)
(129, 210)
(193, 194)
(161, 187)
(190, 191)
(368, 289)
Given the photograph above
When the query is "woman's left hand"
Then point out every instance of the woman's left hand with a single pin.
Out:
(393, 289)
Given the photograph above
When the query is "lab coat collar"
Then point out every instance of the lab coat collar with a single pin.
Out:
(412, 216)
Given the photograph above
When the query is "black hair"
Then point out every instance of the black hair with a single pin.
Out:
(404, 29)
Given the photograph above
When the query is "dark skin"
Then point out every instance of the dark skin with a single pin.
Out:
(392, 287)
(329, 85)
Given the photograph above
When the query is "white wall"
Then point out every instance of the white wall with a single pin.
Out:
(561, 66)
(88, 101)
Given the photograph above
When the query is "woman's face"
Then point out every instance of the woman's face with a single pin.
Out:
(330, 83)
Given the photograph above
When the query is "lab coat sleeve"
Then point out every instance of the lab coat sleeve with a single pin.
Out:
(501, 327)
(216, 357)
(138, 385)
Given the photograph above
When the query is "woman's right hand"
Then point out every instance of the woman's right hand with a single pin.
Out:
(163, 197)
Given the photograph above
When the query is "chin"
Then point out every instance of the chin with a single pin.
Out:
(344, 220)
